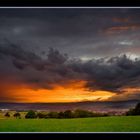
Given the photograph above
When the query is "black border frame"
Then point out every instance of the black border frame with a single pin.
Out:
(69, 3)
(74, 3)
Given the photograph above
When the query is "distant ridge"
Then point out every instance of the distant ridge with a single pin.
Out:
(101, 106)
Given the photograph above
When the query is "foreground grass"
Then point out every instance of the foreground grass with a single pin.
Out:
(99, 124)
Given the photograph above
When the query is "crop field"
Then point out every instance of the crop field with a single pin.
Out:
(97, 124)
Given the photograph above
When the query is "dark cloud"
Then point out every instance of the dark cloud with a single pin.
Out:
(70, 30)
(31, 69)
(115, 74)
(20, 57)
(108, 74)
(55, 57)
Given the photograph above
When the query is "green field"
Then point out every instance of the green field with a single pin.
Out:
(98, 124)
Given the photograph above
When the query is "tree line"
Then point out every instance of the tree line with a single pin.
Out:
(65, 114)
(62, 114)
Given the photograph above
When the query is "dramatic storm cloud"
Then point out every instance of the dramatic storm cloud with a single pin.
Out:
(88, 50)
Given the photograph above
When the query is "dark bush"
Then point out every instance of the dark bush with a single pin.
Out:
(61, 115)
(17, 115)
(52, 115)
(41, 115)
(68, 114)
(82, 113)
(30, 115)
(7, 114)
(99, 114)
(135, 111)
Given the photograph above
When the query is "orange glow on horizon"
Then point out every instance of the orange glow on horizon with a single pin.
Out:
(75, 91)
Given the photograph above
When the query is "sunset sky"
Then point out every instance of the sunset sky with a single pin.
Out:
(69, 54)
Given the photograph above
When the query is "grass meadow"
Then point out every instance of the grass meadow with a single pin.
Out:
(97, 124)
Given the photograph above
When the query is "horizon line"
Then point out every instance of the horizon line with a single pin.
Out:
(66, 102)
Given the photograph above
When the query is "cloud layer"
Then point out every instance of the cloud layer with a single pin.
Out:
(46, 48)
